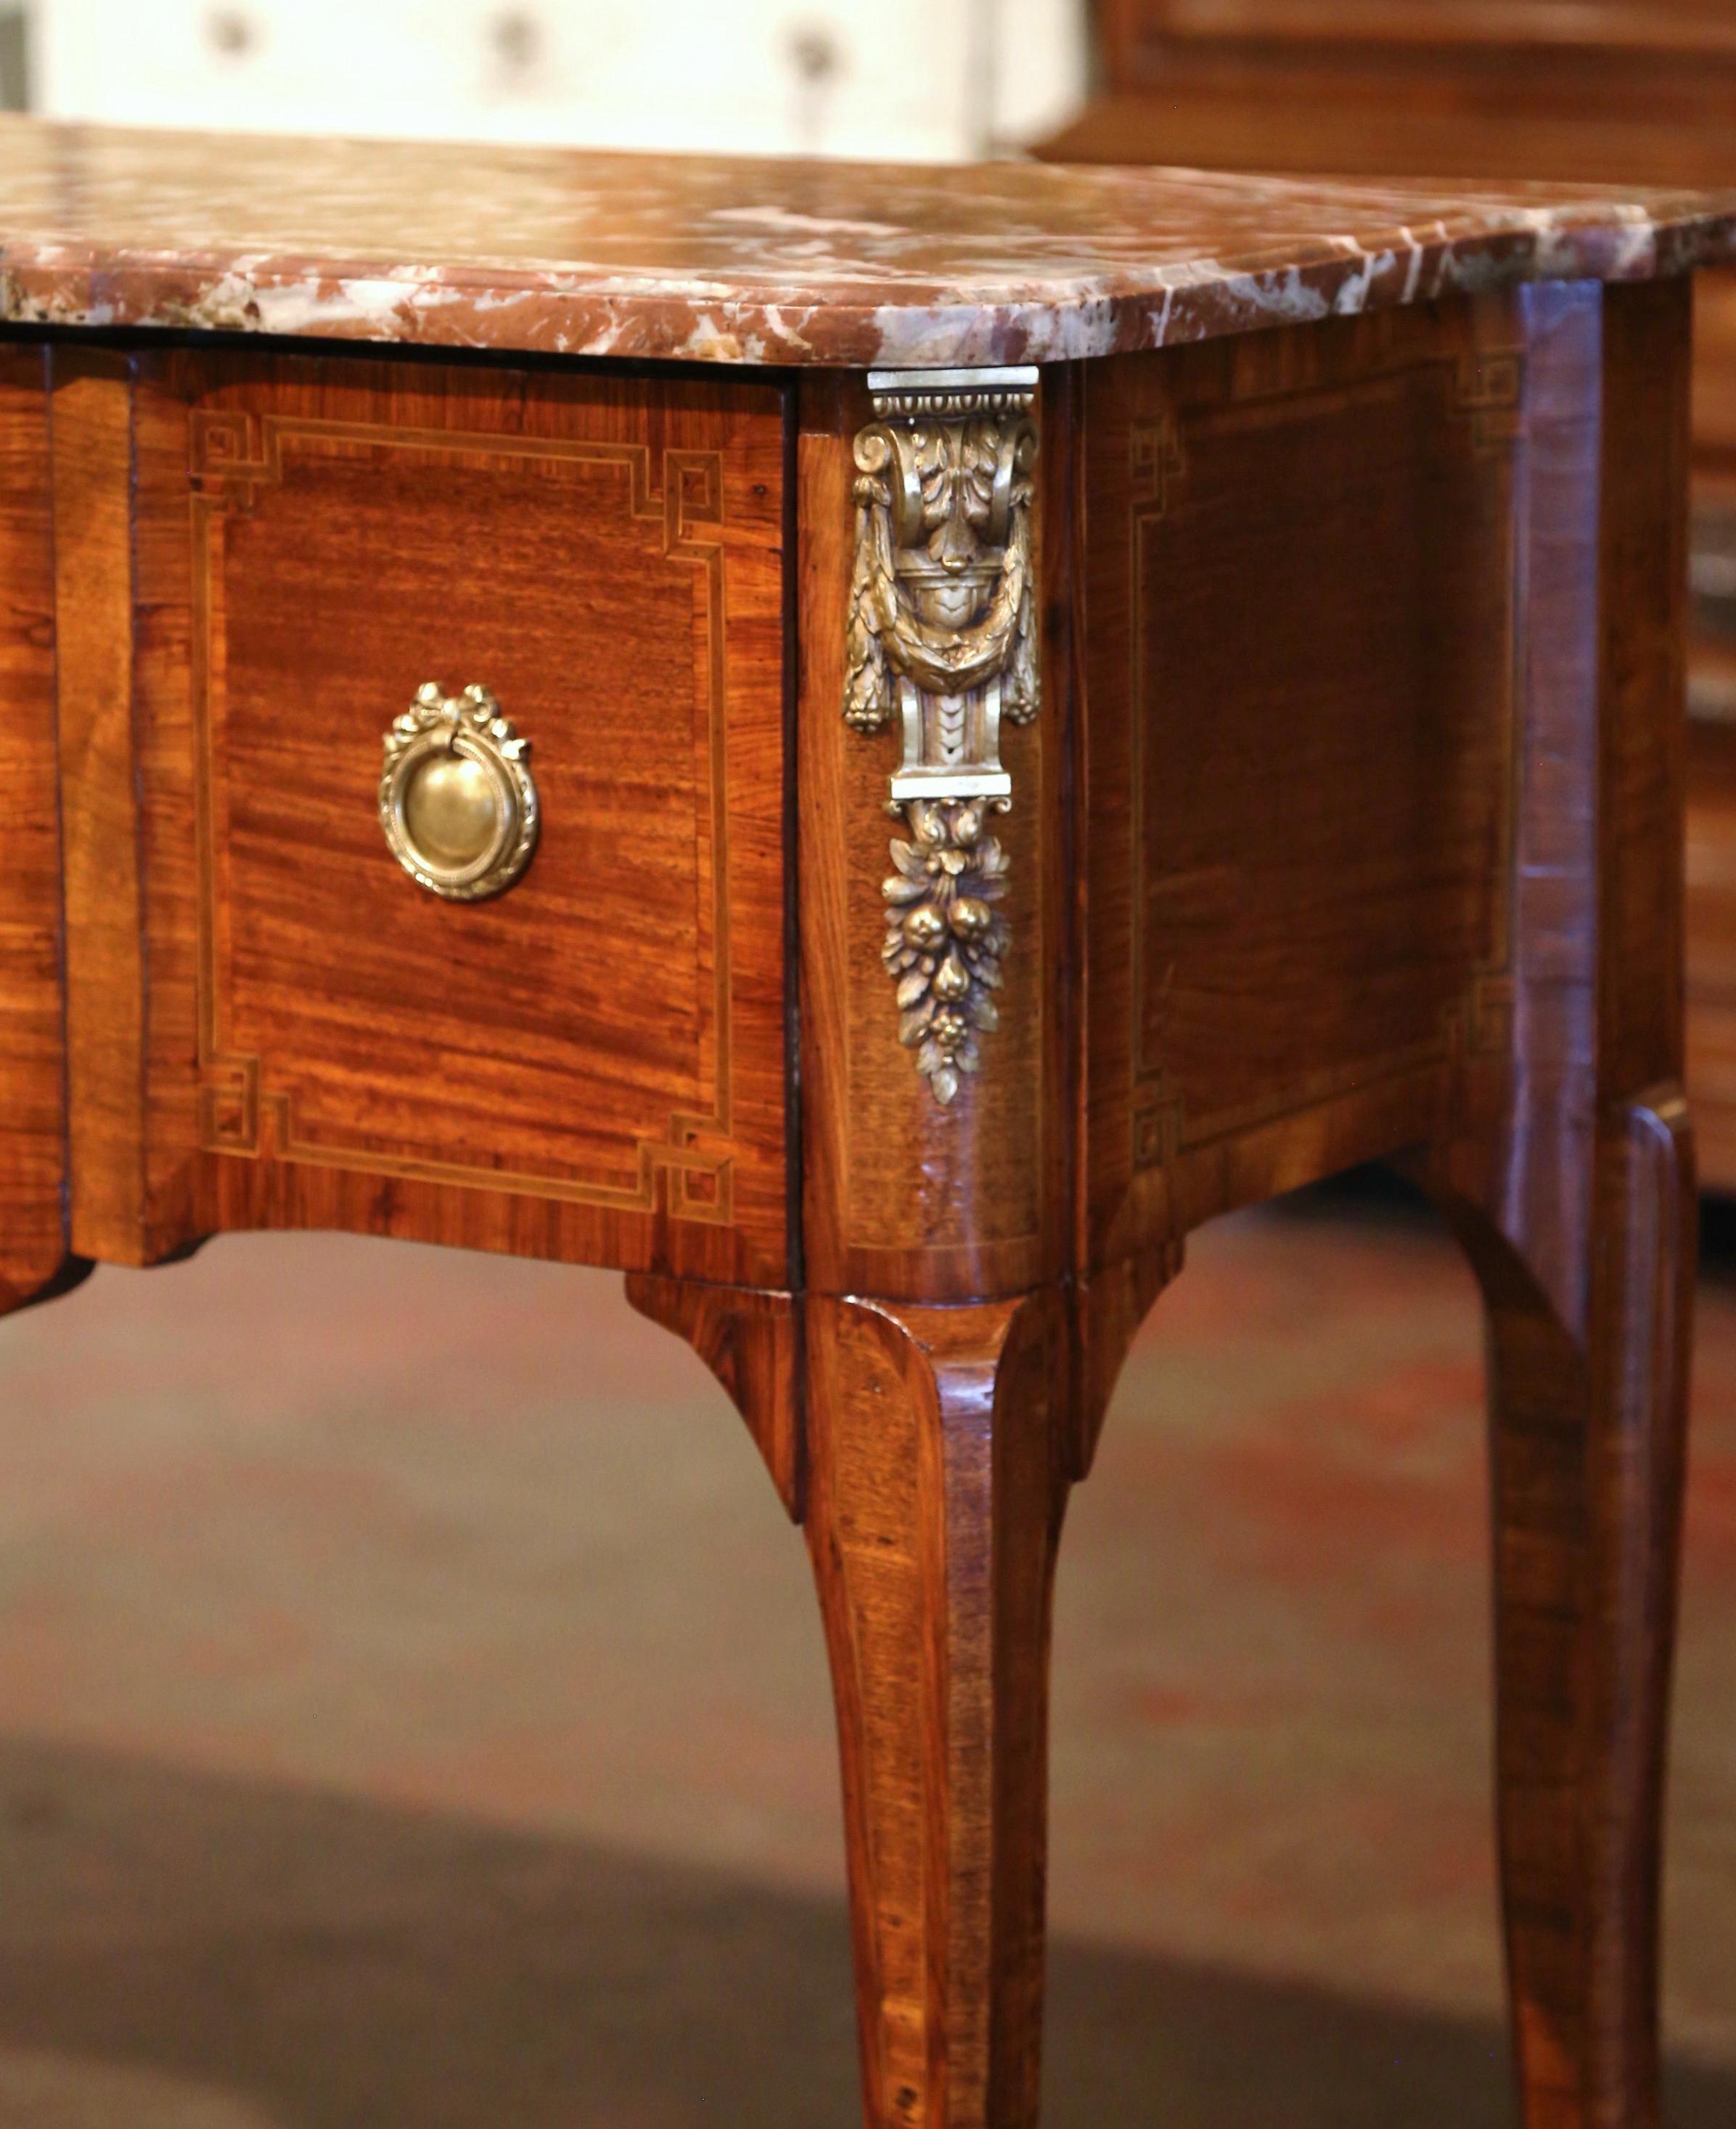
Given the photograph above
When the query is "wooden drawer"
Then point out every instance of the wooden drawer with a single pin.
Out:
(588, 1064)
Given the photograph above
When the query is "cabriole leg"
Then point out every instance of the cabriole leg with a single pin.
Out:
(1587, 1439)
(936, 1493)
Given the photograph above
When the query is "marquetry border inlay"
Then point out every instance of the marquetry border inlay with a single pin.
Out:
(1484, 389)
(233, 455)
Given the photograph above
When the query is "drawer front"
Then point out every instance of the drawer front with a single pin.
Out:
(589, 1063)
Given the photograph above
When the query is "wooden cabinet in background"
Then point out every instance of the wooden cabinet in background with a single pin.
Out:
(1609, 92)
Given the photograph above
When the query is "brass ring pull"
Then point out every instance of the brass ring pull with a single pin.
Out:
(456, 798)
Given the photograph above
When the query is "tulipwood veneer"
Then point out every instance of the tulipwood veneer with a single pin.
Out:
(1024, 757)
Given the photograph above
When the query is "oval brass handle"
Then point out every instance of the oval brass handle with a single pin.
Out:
(457, 801)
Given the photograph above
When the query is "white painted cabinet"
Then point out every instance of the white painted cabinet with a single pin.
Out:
(878, 77)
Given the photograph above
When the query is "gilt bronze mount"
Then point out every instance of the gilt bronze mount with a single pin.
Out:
(457, 801)
(943, 632)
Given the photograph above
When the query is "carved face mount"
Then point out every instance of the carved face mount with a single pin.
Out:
(942, 631)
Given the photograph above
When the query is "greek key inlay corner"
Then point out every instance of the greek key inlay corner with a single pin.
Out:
(943, 635)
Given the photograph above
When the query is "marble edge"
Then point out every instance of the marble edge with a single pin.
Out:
(571, 310)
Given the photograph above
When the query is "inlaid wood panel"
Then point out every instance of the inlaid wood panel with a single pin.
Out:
(33, 1238)
(590, 1064)
(1301, 653)
(1609, 90)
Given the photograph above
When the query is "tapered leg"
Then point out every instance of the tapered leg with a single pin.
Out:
(937, 1480)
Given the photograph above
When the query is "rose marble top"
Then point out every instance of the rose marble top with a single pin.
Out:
(721, 259)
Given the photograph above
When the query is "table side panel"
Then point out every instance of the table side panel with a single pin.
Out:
(590, 1067)
(1303, 671)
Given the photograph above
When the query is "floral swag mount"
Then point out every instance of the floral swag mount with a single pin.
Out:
(943, 634)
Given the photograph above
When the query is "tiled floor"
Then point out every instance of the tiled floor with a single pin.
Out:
(412, 1713)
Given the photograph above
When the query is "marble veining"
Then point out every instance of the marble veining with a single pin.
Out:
(759, 260)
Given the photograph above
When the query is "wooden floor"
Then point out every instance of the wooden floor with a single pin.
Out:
(412, 1710)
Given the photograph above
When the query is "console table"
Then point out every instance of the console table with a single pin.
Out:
(870, 747)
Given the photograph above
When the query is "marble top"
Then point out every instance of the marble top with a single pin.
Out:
(723, 259)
